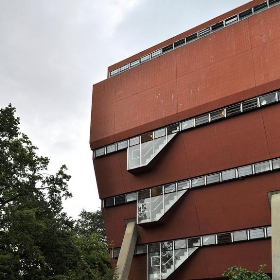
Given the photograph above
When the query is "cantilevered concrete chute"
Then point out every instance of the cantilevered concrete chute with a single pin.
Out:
(127, 250)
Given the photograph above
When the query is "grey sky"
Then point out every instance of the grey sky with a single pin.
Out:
(51, 52)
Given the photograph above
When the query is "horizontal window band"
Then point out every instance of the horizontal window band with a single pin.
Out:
(220, 114)
(221, 238)
(193, 37)
(217, 177)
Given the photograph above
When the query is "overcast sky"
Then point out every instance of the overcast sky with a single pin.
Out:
(53, 51)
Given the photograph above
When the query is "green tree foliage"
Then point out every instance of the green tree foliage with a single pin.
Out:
(240, 273)
(37, 239)
(89, 223)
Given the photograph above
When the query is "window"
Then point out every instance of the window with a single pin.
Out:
(228, 174)
(194, 242)
(183, 185)
(167, 48)
(209, 240)
(187, 124)
(160, 133)
(224, 238)
(250, 104)
(239, 235)
(170, 188)
(191, 37)
(141, 249)
(218, 114)
(179, 43)
(245, 14)
(100, 152)
(201, 119)
(217, 26)
(262, 167)
(213, 178)
(276, 163)
(145, 58)
(131, 197)
(122, 145)
(260, 7)
(110, 201)
(233, 110)
(256, 233)
(268, 99)
(111, 148)
(120, 199)
(199, 181)
(204, 32)
(245, 171)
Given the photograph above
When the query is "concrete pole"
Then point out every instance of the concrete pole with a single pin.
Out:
(127, 251)
(275, 239)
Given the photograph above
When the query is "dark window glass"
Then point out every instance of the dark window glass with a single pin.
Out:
(194, 242)
(146, 137)
(217, 26)
(224, 238)
(167, 48)
(201, 119)
(231, 20)
(110, 201)
(218, 114)
(248, 105)
(245, 14)
(179, 43)
(141, 249)
(260, 7)
(156, 191)
(191, 37)
(120, 199)
(143, 194)
(173, 128)
(234, 109)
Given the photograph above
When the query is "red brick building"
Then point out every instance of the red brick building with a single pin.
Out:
(186, 140)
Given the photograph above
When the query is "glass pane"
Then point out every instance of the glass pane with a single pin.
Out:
(134, 141)
(111, 148)
(268, 99)
(144, 210)
(173, 128)
(251, 104)
(167, 245)
(268, 231)
(147, 151)
(110, 201)
(154, 265)
(183, 185)
(216, 115)
(120, 199)
(201, 119)
(276, 163)
(122, 145)
(131, 197)
(100, 152)
(233, 110)
(194, 242)
(213, 178)
(245, 171)
(160, 133)
(146, 137)
(181, 243)
(262, 167)
(224, 238)
(169, 188)
(256, 233)
(209, 239)
(187, 124)
(116, 252)
(141, 249)
(167, 263)
(239, 235)
(196, 182)
(133, 157)
(228, 174)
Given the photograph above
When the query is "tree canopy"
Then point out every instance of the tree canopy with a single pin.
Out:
(37, 239)
(240, 273)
